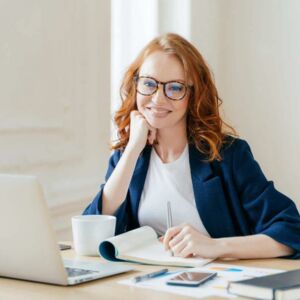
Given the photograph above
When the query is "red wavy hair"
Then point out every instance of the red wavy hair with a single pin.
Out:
(205, 127)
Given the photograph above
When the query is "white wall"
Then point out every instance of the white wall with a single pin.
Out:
(55, 98)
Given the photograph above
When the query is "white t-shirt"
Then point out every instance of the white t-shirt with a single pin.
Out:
(169, 182)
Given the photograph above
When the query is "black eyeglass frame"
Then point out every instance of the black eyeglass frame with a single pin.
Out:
(187, 87)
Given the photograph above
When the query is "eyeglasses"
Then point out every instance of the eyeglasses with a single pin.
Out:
(174, 90)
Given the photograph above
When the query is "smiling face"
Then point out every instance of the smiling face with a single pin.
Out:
(160, 111)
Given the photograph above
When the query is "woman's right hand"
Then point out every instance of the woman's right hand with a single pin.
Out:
(116, 187)
(140, 132)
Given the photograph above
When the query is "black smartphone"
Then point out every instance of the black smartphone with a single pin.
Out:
(191, 278)
(64, 247)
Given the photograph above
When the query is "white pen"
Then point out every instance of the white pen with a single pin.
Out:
(150, 275)
(169, 220)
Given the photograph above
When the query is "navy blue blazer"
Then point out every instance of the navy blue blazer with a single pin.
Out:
(232, 196)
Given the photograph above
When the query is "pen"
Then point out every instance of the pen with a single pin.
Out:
(149, 275)
(169, 220)
(169, 215)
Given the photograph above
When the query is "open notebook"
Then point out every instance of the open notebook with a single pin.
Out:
(142, 245)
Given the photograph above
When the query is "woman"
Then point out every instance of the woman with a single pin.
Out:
(173, 146)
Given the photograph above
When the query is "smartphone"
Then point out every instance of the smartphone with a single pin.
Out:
(191, 278)
(64, 247)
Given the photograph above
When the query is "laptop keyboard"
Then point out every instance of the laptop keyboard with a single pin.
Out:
(74, 272)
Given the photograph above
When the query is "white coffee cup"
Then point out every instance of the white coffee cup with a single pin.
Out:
(90, 230)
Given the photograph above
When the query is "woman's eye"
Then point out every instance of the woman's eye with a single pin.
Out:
(150, 84)
(176, 88)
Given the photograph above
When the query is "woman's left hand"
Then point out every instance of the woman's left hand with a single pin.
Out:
(185, 241)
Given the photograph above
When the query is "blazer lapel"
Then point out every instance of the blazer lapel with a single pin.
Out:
(138, 181)
(209, 196)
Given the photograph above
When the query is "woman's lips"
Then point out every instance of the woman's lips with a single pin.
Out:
(158, 112)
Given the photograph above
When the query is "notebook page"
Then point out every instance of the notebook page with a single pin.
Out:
(153, 252)
(132, 239)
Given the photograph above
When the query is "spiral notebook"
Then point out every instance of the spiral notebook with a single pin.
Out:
(142, 246)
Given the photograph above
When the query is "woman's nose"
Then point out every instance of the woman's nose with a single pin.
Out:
(159, 96)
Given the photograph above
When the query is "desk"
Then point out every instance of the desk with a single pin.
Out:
(108, 288)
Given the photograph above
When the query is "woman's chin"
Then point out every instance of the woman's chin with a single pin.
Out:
(157, 124)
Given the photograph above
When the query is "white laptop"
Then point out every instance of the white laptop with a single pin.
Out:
(28, 246)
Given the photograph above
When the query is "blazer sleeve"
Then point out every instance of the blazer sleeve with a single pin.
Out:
(95, 207)
(269, 211)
